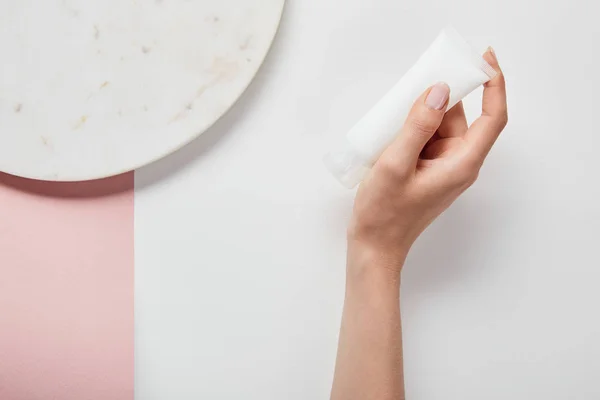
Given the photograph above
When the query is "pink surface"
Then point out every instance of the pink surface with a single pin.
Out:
(66, 290)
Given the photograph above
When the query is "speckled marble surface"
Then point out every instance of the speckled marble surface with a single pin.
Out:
(93, 88)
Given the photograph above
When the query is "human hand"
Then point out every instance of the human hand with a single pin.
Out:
(435, 158)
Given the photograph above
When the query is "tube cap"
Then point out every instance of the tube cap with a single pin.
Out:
(348, 167)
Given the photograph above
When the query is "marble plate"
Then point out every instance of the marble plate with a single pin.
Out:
(93, 88)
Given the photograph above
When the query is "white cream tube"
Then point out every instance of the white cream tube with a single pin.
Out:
(449, 59)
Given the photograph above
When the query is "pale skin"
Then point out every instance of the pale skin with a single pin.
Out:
(435, 158)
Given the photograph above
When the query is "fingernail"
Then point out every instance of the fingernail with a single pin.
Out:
(438, 96)
(493, 53)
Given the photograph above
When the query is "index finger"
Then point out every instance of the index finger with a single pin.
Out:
(485, 130)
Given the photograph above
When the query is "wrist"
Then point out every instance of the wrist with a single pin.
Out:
(365, 255)
(372, 282)
(372, 262)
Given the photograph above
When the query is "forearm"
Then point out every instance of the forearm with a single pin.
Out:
(369, 364)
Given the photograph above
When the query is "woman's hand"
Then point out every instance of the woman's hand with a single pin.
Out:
(435, 159)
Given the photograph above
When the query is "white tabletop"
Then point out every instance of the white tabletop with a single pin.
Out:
(240, 236)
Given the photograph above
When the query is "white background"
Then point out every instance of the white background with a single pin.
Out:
(240, 244)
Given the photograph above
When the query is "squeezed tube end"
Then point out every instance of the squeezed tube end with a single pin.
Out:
(488, 69)
(348, 167)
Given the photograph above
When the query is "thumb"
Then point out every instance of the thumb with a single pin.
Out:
(421, 124)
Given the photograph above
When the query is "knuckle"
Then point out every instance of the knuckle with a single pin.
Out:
(391, 167)
(422, 127)
(500, 117)
(471, 178)
(467, 172)
(503, 118)
(472, 163)
(465, 177)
